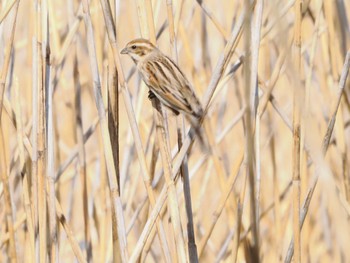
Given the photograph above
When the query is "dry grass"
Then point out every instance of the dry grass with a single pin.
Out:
(90, 168)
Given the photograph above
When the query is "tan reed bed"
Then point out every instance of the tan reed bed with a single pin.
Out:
(93, 171)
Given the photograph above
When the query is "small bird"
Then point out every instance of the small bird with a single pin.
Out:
(164, 79)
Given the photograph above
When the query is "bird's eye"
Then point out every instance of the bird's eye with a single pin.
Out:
(133, 46)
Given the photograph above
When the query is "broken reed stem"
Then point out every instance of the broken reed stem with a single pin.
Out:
(297, 97)
(117, 208)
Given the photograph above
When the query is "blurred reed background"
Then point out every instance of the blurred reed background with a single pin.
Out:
(84, 176)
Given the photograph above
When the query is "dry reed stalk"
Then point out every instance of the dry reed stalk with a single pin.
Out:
(172, 198)
(7, 10)
(113, 104)
(53, 27)
(81, 157)
(35, 145)
(297, 96)
(213, 19)
(249, 135)
(254, 99)
(235, 244)
(150, 21)
(332, 37)
(113, 186)
(41, 132)
(48, 148)
(336, 104)
(113, 123)
(303, 214)
(276, 192)
(53, 237)
(277, 19)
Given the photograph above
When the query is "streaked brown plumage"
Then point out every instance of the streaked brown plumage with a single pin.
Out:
(164, 78)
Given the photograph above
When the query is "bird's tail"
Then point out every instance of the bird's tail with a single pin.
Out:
(197, 131)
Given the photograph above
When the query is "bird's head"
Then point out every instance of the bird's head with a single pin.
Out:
(138, 49)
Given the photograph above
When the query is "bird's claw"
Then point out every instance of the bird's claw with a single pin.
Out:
(151, 95)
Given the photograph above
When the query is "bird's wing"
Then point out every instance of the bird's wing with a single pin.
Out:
(173, 86)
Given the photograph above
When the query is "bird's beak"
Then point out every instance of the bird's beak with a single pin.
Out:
(124, 51)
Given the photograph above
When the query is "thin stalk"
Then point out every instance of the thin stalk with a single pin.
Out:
(35, 146)
(297, 132)
(249, 133)
(41, 136)
(172, 198)
(82, 159)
